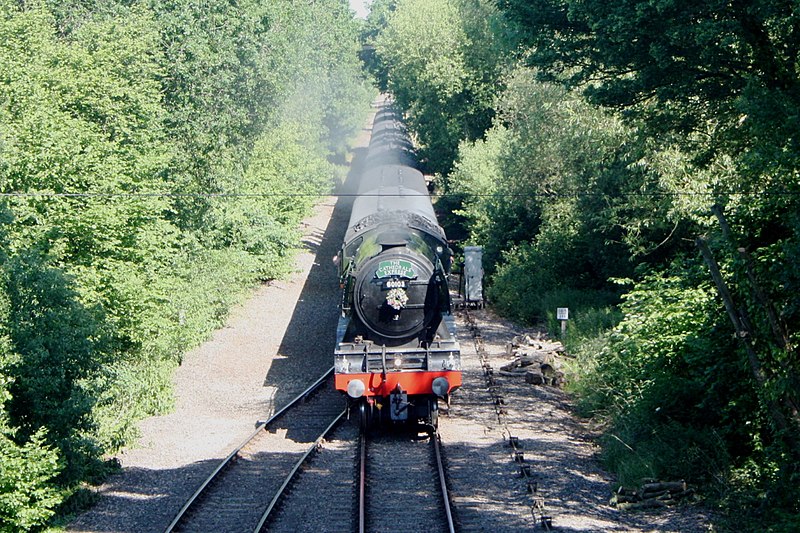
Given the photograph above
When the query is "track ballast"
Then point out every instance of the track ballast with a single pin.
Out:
(242, 487)
(404, 485)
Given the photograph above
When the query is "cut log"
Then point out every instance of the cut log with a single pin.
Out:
(538, 358)
(671, 486)
(616, 499)
(524, 340)
(511, 365)
(534, 377)
(646, 504)
(652, 493)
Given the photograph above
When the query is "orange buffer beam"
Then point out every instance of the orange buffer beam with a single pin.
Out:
(411, 382)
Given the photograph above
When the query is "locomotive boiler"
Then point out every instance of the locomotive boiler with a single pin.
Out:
(396, 354)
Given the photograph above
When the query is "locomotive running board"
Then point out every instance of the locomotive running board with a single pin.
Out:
(355, 357)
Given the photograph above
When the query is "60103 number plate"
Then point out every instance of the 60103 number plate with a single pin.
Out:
(395, 284)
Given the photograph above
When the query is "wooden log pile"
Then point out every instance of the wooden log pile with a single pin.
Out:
(651, 494)
(536, 364)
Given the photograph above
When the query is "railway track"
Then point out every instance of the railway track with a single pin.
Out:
(402, 485)
(537, 500)
(322, 496)
(244, 489)
(282, 478)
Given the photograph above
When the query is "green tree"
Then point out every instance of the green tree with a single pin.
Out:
(711, 90)
(541, 194)
(715, 82)
(60, 346)
(443, 63)
(731, 64)
(152, 154)
(377, 20)
(27, 496)
(27, 465)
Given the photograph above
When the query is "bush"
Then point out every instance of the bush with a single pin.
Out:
(27, 495)
(60, 346)
(676, 404)
(29, 465)
(535, 279)
(644, 447)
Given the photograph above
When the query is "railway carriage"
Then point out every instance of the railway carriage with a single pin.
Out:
(396, 353)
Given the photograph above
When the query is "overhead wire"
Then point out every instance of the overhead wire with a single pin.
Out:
(542, 194)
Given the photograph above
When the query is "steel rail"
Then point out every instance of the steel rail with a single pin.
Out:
(225, 462)
(362, 515)
(443, 483)
(273, 504)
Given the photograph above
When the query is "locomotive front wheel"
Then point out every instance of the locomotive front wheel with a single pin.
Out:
(363, 415)
(434, 407)
(369, 415)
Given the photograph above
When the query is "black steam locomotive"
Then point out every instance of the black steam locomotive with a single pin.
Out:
(396, 354)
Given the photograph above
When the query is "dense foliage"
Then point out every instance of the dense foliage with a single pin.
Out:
(638, 162)
(441, 61)
(155, 160)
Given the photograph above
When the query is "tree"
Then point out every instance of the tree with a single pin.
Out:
(443, 62)
(28, 464)
(731, 63)
(712, 90)
(149, 152)
(543, 195)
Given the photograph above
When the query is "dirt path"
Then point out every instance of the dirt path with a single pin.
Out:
(489, 491)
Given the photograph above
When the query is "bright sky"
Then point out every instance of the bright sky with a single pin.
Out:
(360, 7)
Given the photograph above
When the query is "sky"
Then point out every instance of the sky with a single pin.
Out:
(360, 7)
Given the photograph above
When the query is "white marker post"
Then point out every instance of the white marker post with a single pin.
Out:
(562, 314)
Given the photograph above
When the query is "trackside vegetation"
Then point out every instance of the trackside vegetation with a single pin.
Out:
(155, 161)
(638, 162)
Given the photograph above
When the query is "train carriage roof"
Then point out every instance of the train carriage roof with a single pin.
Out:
(392, 176)
(389, 204)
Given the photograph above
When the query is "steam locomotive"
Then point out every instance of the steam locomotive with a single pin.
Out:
(396, 353)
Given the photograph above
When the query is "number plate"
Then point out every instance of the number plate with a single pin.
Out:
(395, 284)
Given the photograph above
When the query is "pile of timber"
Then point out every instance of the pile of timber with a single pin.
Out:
(537, 364)
(651, 494)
